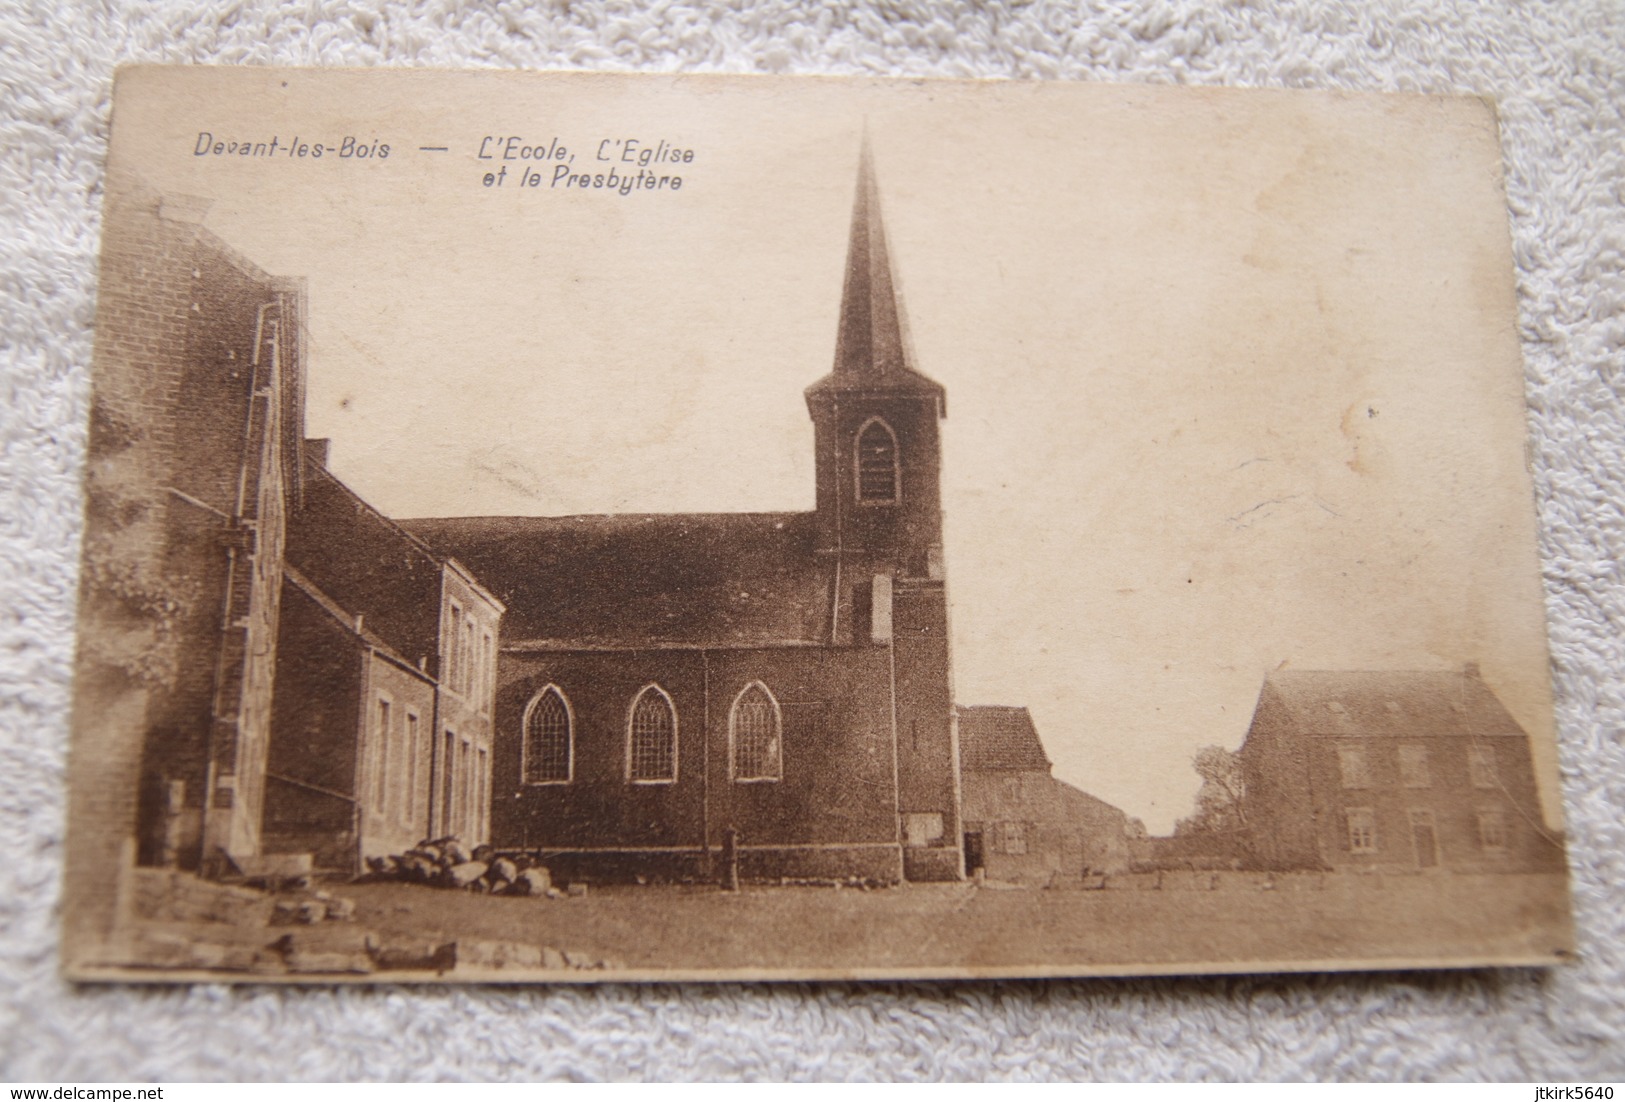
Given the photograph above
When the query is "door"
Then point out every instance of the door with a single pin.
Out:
(973, 852)
(1425, 839)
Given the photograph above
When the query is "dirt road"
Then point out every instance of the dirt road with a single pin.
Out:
(963, 928)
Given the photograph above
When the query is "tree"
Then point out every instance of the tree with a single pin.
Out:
(1220, 802)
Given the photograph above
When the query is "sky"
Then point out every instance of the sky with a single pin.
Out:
(1233, 377)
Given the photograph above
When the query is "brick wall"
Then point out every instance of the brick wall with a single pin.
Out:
(170, 440)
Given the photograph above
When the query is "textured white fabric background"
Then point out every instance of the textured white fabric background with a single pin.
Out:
(1558, 71)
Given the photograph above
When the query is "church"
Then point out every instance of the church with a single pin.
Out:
(668, 685)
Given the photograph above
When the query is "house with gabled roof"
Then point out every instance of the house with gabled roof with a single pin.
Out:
(381, 729)
(1391, 770)
(1022, 824)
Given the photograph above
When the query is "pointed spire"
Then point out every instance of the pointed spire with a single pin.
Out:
(870, 342)
(872, 351)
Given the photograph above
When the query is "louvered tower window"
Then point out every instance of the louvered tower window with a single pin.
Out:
(877, 464)
(652, 738)
(548, 738)
(755, 730)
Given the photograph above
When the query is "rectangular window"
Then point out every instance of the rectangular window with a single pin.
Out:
(1481, 766)
(1354, 766)
(1362, 830)
(1015, 838)
(482, 801)
(448, 769)
(922, 828)
(469, 656)
(1492, 831)
(486, 672)
(1413, 766)
(380, 779)
(465, 795)
(409, 808)
(454, 643)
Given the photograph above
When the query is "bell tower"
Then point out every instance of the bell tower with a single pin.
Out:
(875, 417)
(879, 462)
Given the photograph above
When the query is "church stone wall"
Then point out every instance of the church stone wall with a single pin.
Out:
(927, 760)
(831, 813)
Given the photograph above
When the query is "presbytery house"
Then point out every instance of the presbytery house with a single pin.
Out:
(1391, 771)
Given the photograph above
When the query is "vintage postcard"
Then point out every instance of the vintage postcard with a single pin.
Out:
(560, 527)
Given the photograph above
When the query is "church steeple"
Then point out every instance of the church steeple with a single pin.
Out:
(870, 341)
(872, 350)
(875, 417)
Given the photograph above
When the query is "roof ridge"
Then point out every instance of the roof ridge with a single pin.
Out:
(389, 522)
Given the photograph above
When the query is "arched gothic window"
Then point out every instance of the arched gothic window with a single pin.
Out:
(755, 732)
(877, 470)
(651, 737)
(549, 744)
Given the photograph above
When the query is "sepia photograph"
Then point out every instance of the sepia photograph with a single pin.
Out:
(565, 527)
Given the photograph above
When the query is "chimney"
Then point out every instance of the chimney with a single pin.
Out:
(317, 451)
(1471, 670)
